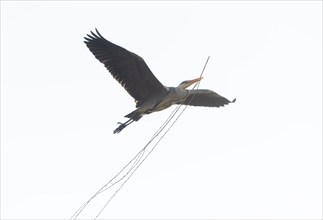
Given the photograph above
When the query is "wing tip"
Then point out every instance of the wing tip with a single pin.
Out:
(234, 100)
(98, 33)
(93, 35)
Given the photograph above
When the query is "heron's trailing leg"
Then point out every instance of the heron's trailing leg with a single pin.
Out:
(123, 125)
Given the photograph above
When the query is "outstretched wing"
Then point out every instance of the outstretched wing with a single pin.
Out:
(205, 97)
(129, 69)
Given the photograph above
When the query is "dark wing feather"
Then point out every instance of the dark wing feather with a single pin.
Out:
(129, 69)
(204, 97)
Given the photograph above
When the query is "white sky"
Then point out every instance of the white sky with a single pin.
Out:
(258, 158)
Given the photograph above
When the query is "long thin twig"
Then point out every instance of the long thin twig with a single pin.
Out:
(138, 159)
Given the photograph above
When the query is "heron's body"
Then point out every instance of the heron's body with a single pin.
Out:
(155, 104)
(131, 71)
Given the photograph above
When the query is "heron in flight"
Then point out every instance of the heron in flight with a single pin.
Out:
(150, 95)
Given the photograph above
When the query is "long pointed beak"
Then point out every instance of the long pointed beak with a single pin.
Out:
(194, 81)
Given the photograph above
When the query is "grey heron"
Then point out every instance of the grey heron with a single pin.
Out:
(150, 95)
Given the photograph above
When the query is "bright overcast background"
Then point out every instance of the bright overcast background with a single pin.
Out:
(258, 158)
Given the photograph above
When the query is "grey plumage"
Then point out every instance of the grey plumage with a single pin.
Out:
(131, 71)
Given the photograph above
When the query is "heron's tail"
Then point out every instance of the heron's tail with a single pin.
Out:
(134, 115)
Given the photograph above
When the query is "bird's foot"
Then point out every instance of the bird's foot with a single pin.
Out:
(120, 128)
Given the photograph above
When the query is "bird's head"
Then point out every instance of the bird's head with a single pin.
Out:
(188, 83)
